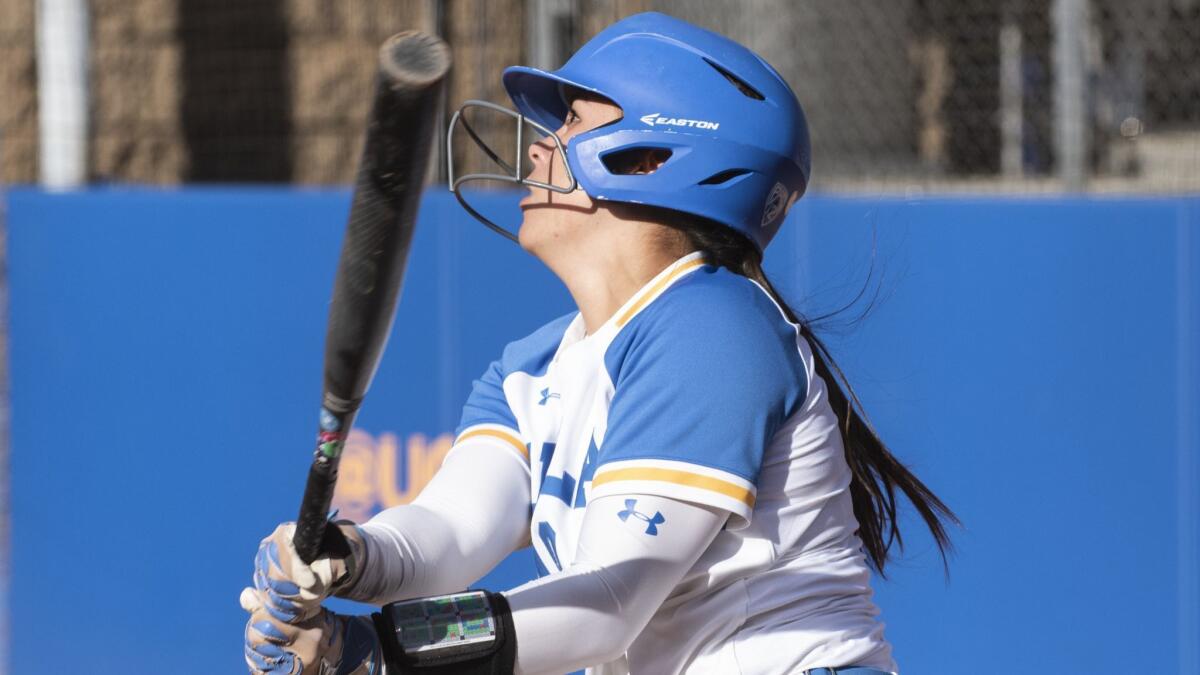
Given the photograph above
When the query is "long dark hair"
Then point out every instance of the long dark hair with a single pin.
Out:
(876, 471)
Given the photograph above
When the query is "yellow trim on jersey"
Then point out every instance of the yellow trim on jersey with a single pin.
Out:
(679, 478)
(656, 289)
(496, 433)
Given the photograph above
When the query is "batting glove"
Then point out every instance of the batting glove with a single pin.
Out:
(324, 644)
(290, 590)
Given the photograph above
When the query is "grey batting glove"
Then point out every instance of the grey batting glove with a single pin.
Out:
(324, 644)
(290, 590)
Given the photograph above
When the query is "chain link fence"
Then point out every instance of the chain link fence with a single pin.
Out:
(1021, 96)
(907, 96)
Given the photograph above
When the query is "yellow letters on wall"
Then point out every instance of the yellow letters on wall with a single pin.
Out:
(373, 475)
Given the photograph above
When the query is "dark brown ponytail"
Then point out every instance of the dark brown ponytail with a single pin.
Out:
(877, 473)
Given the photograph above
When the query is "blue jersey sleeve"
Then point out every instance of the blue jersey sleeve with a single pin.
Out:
(487, 417)
(487, 414)
(486, 404)
(702, 379)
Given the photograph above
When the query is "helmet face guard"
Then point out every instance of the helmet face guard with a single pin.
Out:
(512, 170)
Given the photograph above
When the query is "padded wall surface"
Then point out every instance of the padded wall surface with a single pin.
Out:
(1034, 361)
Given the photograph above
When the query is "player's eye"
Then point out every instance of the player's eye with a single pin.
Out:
(572, 116)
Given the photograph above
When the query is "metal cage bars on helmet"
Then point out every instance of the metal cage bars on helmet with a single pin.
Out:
(513, 170)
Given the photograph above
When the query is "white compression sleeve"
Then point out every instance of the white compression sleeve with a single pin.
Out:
(623, 571)
(473, 513)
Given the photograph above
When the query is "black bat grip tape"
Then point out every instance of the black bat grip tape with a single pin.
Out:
(314, 510)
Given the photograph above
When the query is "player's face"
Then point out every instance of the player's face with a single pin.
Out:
(552, 215)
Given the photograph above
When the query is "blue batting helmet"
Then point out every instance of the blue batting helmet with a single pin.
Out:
(737, 136)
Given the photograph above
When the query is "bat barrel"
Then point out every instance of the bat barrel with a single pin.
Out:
(383, 210)
(387, 192)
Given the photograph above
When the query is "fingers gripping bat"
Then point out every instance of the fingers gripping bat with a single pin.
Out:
(383, 211)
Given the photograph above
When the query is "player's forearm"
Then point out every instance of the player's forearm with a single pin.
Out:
(471, 515)
(572, 620)
(591, 612)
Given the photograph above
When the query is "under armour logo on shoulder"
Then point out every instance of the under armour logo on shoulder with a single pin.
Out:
(546, 396)
(652, 523)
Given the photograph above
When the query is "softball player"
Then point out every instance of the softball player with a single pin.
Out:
(700, 494)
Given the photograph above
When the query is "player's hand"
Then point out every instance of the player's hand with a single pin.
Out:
(324, 643)
(292, 591)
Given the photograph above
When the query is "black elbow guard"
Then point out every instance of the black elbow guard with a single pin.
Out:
(467, 633)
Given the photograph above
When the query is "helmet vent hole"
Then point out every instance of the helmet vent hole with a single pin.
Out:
(742, 86)
(636, 161)
(725, 176)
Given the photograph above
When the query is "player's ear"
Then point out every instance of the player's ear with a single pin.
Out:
(652, 159)
(637, 161)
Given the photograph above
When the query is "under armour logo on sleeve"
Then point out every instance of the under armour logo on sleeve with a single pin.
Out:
(546, 396)
(652, 523)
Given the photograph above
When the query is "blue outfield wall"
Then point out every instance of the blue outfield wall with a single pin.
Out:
(1035, 361)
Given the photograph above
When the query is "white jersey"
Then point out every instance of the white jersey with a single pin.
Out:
(698, 389)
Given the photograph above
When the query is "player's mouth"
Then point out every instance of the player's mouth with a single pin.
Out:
(531, 198)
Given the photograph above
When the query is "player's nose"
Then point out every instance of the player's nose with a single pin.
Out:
(539, 152)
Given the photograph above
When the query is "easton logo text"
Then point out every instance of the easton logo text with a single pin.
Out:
(654, 119)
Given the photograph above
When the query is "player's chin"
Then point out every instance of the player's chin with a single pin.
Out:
(542, 227)
(533, 228)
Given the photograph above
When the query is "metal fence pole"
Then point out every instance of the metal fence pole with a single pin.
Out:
(546, 22)
(1070, 110)
(435, 24)
(1012, 101)
(62, 63)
